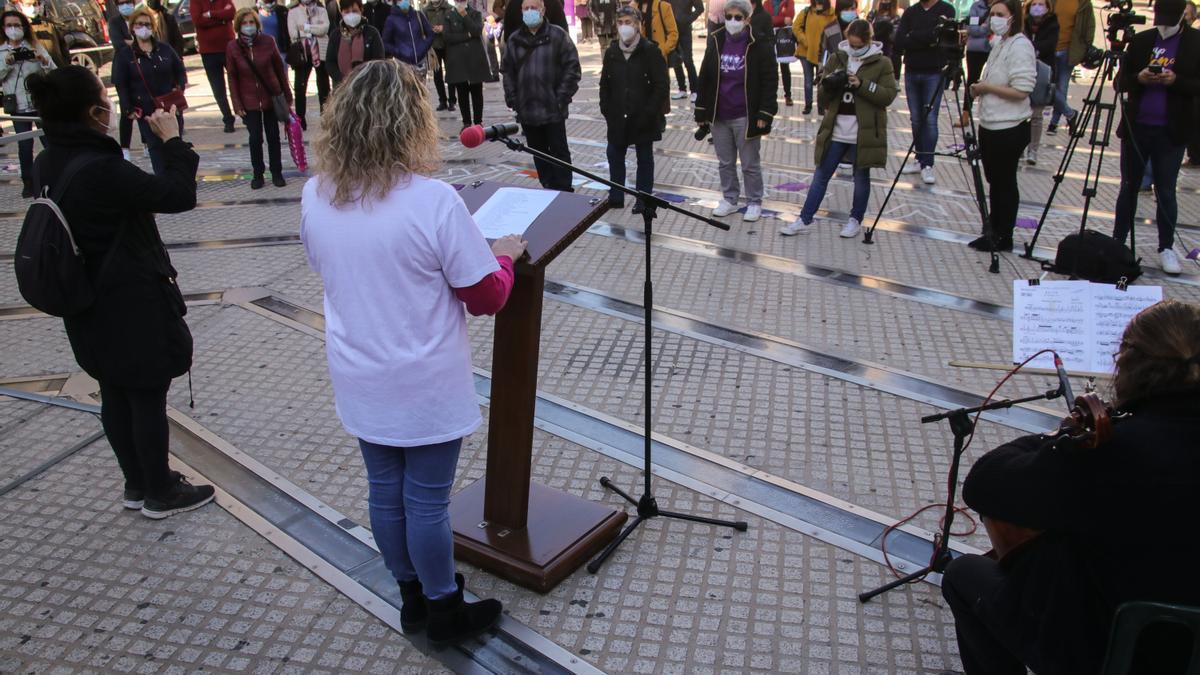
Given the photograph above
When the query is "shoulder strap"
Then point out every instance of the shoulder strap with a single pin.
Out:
(60, 188)
(254, 71)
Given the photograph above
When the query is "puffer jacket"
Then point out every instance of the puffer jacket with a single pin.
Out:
(245, 91)
(541, 74)
(807, 28)
(407, 36)
(762, 82)
(874, 94)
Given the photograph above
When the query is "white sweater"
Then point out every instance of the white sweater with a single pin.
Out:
(1011, 63)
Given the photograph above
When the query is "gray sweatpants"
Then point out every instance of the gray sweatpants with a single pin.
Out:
(730, 143)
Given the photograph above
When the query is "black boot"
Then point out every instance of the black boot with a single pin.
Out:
(451, 619)
(26, 188)
(415, 612)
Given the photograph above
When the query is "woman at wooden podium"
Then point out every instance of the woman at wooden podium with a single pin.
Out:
(400, 255)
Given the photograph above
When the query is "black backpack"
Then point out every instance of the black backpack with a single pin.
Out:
(1095, 257)
(49, 263)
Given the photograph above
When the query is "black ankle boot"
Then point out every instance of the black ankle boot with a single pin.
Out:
(414, 613)
(451, 619)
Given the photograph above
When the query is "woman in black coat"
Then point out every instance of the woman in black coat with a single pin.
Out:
(339, 65)
(147, 69)
(466, 62)
(633, 96)
(133, 339)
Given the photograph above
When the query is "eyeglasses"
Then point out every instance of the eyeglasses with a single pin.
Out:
(734, 17)
(143, 25)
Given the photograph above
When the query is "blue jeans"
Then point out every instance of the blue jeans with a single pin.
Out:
(922, 89)
(809, 74)
(837, 153)
(616, 170)
(1062, 78)
(413, 484)
(1165, 157)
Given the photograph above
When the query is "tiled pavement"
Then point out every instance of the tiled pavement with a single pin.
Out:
(87, 587)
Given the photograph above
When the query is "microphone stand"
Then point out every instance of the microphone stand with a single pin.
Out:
(647, 505)
(962, 425)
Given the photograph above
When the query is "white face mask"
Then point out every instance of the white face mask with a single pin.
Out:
(30, 11)
(1167, 31)
(999, 25)
(142, 33)
(734, 26)
(14, 33)
(352, 19)
(108, 126)
(627, 32)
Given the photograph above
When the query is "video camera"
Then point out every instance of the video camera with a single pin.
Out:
(947, 33)
(1121, 22)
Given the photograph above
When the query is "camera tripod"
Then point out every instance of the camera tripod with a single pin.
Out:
(952, 70)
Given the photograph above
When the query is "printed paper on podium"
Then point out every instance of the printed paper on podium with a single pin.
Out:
(1080, 320)
(511, 210)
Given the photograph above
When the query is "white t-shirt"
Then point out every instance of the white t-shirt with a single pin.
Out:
(396, 335)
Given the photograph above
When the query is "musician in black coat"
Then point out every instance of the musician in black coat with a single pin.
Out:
(1115, 521)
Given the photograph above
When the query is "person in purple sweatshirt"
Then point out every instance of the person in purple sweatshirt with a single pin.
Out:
(737, 98)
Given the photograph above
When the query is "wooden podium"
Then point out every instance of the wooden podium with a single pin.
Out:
(527, 533)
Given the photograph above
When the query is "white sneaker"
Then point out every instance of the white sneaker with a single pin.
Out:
(798, 227)
(125, 154)
(723, 209)
(851, 229)
(753, 213)
(678, 95)
(845, 170)
(927, 175)
(1031, 157)
(911, 167)
(1170, 261)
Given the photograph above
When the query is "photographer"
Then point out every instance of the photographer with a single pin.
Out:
(1002, 101)
(1161, 76)
(147, 70)
(20, 57)
(857, 90)
(919, 36)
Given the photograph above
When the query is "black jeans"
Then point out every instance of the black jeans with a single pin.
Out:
(986, 620)
(1155, 146)
(260, 123)
(439, 80)
(552, 140)
(214, 68)
(300, 90)
(125, 129)
(474, 93)
(785, 75)
(644, 180)
(135, 423)
(1000, 152)
(686, 61)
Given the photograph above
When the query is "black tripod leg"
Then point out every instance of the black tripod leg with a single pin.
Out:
(919, 574)
(739, 525)
(606, 483)
(594, 566)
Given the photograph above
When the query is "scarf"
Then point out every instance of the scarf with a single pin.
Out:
(627, 50)
(350, 51)
(314, 45)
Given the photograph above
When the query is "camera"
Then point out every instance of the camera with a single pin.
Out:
(946, 33)
(1121, 23)
(836, 82)
(23, 54)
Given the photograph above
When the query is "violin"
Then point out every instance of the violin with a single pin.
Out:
(1089, 425)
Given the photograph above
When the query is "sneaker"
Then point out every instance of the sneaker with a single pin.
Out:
(681, 94)
(1031, 157)
(911, 167)
(1170, 261)
(182, 497)
(753, 213)
(133, 499)
(927, 175)
(851, 229)
(797, 227)
(1052, 129)
(845, 170)
(723, 209)
(125, 154)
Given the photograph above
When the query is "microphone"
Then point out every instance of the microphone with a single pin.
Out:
(1064, 384)
(474, 136)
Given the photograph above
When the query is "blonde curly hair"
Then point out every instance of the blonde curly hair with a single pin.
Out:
(378, 130)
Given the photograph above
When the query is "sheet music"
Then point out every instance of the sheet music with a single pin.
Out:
(511, 210)
(1080, 320)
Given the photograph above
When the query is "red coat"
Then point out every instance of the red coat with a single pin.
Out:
(784, 15)
(215, 31)
(245, 92)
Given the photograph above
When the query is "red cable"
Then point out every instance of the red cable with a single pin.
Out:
(957, 509)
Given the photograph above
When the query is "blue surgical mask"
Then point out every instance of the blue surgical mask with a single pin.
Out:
(403, 5)
(125, 9)
(848, 15)
(532, 18)
(249, 30)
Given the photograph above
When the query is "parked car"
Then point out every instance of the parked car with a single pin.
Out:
(85, 29)
(183, 15)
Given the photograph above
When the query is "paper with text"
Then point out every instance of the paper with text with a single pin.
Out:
(1080, 320)
(511, 210)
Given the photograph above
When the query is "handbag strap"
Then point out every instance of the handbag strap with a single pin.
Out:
(137, 64)
(250, 63)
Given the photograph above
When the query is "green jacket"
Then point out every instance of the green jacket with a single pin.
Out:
(1082, 33)
(875, 93)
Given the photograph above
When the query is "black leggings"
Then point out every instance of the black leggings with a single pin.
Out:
(135, 422)
(474, 92)
(1000, 152)
(785, 74)
(301, 88)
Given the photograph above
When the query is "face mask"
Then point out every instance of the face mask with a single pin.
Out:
(531, 17)
(1167, 31)
(107, 127)
(627, 32)
(142, 33)
(249, 30)
(352, 19)
(999, 25)
(734, 26)
(1037, 10)
(848, 16)
(403, 5)
(860, 52)
(30, 11)
(125, 9)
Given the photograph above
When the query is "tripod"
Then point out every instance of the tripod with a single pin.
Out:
(647, 505)
(950, 71)
(962, 426)
(1094, 108)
